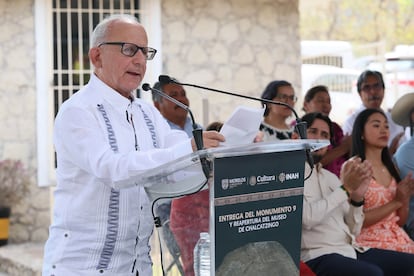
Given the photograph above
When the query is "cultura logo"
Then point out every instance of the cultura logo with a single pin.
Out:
(266, 178)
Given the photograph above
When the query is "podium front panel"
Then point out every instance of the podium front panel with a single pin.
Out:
(257, 201)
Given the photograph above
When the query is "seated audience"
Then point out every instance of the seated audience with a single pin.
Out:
(177, 118)
(333, 216)
(317, 99)
(403, 114)
(371, 89)
(387, 198)
(274, 125)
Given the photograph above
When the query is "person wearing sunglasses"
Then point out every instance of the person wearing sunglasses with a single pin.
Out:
(105, 138)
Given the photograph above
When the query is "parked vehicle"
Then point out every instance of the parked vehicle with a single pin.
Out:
(327, 52)
(341, 83)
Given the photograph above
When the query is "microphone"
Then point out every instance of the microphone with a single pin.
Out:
(197, 131)
(300, 126)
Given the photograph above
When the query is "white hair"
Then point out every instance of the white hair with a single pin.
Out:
(100, 31)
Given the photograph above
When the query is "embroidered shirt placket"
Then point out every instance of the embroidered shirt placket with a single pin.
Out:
(113, 210)
(112, 230)
(130, 120)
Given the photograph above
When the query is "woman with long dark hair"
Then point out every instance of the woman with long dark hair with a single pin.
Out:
(387, 198)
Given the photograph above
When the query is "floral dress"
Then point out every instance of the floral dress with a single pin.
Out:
(385, 234)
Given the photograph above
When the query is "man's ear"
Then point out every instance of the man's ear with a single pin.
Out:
(95, 57)
(157, 105)
(295, 135)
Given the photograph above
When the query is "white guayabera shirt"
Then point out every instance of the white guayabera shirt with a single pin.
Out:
(102, 219)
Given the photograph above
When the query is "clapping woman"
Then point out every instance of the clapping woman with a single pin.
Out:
(387, 198)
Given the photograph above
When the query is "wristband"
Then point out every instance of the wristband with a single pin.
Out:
(346, 191)
(357, 203)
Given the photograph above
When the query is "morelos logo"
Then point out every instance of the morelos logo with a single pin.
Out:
(230, 183)
(225, 184)
(237, 180)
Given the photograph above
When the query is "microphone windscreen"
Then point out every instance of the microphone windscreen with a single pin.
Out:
(164, 79)
(146, 87)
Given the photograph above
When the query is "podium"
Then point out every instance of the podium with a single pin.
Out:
(255, 201)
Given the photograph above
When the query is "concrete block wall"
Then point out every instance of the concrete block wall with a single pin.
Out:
(30, 219)
(233, 45)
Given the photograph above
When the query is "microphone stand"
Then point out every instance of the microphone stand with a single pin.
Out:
(300, 126)
(197, 131)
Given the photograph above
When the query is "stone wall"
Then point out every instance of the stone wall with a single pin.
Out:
(233, 45)
(30, 219)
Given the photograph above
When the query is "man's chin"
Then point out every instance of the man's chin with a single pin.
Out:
(375, 104)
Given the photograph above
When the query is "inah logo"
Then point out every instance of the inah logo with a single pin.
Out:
(282, 177)
(290, 176)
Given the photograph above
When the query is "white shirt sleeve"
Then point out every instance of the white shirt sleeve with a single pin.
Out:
(82, 143)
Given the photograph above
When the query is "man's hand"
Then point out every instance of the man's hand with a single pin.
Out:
(259, 137)
(356, 176)
(211, 139)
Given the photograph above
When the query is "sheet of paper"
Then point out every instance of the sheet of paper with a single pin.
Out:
(242, 126)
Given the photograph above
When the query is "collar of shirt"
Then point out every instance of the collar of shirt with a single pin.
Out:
(109, 95)
(188, 126)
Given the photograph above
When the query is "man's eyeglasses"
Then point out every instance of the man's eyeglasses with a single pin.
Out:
(130, 49)
(285, 98)
(376, 87)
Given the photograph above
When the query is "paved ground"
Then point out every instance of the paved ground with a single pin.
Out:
(21, 259)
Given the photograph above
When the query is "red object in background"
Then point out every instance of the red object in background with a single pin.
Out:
(189, 217)
(305, 270)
